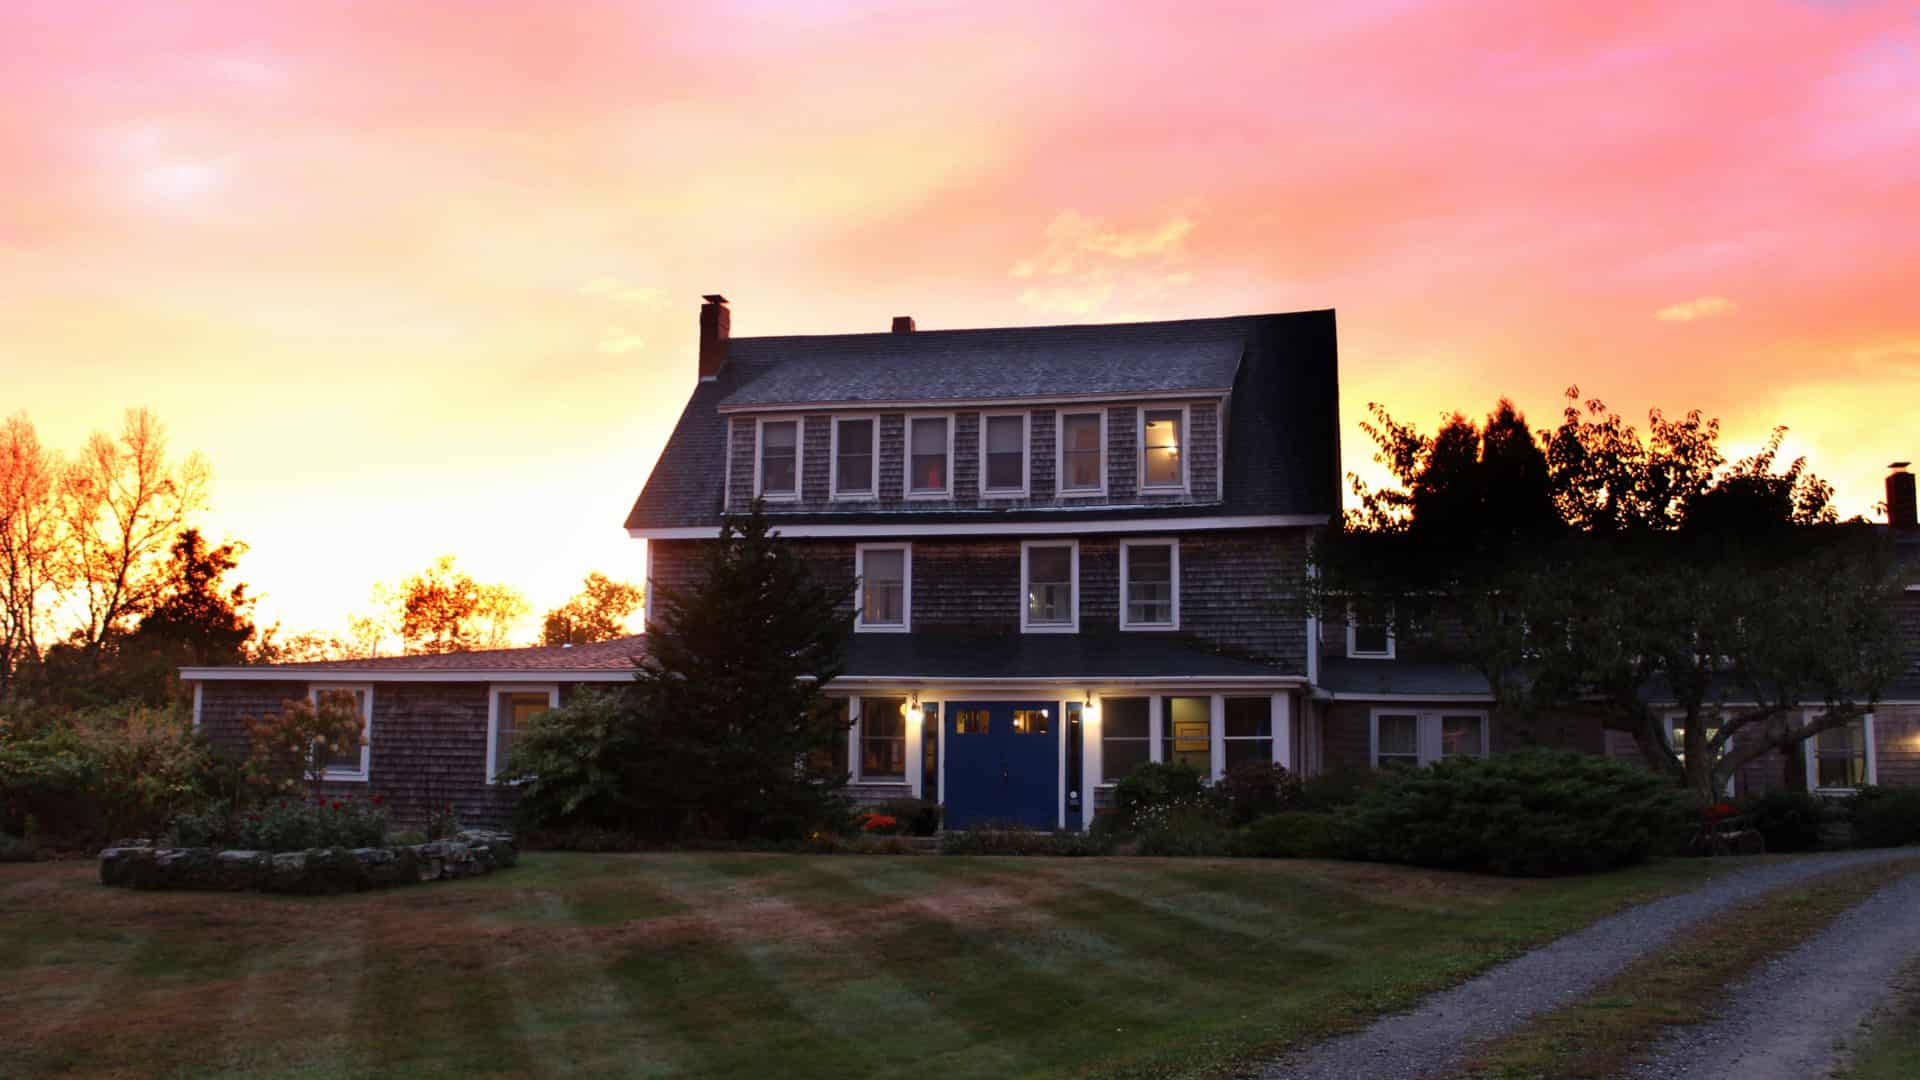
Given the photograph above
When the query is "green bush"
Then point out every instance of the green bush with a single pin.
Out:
(916, 817)
(285, 825)
(1886, 816)
(1255, 790)
(1191, 826)
(1532, 812)
(1019, 840)
(1786, 820)
(1293, 834)
(15, 849)
(1335, 790)
(1156, 784)
(97, 775)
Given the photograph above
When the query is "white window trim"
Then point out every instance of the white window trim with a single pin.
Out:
(1427, 741)
(1670, 719)
(856, 734)
(1353, 633)
(365, 690)
(1072, 625)
(833, 458)
(1185, 486)
(799, 457)
(494, 690)
(1026, 456)
(1125, 572)
(906, 458)
(860, 589)
(1811, 759)
(1060, 490)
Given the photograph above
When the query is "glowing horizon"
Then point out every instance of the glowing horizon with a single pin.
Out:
(425, 280)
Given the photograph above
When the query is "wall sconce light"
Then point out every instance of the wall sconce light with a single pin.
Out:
(1091, 709)
(912, 711)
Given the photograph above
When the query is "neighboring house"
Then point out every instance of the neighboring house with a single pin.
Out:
(1072, 549)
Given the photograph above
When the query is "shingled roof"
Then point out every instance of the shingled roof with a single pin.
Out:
(1283, 442)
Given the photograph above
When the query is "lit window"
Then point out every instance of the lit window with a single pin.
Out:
(928, 464)
(1249, 731)
(1189, 733)
(970, 721)
(853, 457)
(1163, 465)
(1049, 571)
(1080, 459)
(1422, 738)
(1149, 581)
(1126, 740)
(885, 585)
(346, 762)
(1032, 722)
(883, 739)
(779, 458)
(1005, 442)
(513, 709)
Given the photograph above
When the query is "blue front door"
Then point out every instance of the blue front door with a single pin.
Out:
(1003, 763)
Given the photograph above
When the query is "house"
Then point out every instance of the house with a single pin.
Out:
(1071, 550)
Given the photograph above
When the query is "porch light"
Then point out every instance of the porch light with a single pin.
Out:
(1091, 710)
(912, 711)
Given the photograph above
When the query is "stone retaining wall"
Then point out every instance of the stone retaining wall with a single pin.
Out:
(140, 865)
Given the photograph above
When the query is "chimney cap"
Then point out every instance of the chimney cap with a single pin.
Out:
(903, 324)
(1899, 465)
(713, 298)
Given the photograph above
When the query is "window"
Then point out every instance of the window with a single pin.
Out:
(1162, 465)
(1049, 573)
(856, 468)
(1150, 582)
(1677, 739)
(971, 721)
(1842, 758)
(1126, 739)
(347, 762)
(777, 468)
(1003, 454)
(1189, 733)
(1082, 463)
(1409, 737)
(1369, 633)
(929, 455)
(885, 584)
(509, 712)
(1032, 721)
(883, 739)
(1249, 731)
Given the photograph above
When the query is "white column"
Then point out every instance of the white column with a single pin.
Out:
(914, 767)
(1154, 737)
(1217, 733)
(1090, 763)
(853, 736)
(1283, 730)
(1873, 752)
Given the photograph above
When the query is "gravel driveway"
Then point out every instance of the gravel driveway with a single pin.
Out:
(1438, 1035)
(1793, 1017)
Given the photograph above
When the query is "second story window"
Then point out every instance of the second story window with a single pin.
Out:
(1162, 458)
(1003, 441)
(929, 455)
(1149, 584)
(1081, 468)
(1049, 582)
(1369, 633)
(885, 573)
(856, 471)
(779, 463)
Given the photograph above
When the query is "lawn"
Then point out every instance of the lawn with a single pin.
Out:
(755, 965)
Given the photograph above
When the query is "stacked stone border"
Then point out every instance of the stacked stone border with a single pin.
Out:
(140, 865)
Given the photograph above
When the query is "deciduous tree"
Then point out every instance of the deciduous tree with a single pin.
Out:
(443, 609)
(598, 613)
(29, 544)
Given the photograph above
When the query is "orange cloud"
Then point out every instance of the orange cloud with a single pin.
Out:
(1704, 307)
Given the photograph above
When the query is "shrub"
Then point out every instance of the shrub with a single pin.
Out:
(1886, 817)
(1256, 790)
(917, 817)
(1155, 784)
(1786, 820)
(442, 822)
(15, 849)
(1293, 834)
(96, 775)
(1191, 826)
(289, 750)
(1335, 790)
(1531, 812)
(1019, 840)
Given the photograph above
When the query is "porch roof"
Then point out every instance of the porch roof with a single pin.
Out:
(1065, 657)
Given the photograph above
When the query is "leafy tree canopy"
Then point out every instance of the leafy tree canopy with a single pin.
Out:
(598, 613)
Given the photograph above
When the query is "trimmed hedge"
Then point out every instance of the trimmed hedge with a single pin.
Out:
(1294, 834)
(1532, 812)
(1886, 817)
(1787, 820)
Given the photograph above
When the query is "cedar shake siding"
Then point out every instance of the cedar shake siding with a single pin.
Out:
(428, 743)
(1234, 586)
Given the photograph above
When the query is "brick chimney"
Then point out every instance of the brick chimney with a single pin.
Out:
(903, 324)
(715, 327)
(1900, 500)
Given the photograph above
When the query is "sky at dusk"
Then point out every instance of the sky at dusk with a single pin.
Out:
(421, 278)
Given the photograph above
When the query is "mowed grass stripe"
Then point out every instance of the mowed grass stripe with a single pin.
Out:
(433, 1004)
(297, 985)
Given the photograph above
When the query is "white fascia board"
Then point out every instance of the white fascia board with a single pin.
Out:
(1183, 682)
(1073, 527)
(374, 675)
(1444, 699)
(977, 403)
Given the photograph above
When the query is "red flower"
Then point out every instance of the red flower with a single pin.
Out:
(336, 804)
(880, 821)
(1721, 811)
(378, 799)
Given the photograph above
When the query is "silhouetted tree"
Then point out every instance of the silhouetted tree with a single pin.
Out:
(443, 609)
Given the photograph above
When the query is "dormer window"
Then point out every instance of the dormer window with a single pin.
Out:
(929, 456)
(1082, 462)
(856, 468)
(1163, 463)
(1369, 633)
(777, 466)
(1003, 449)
